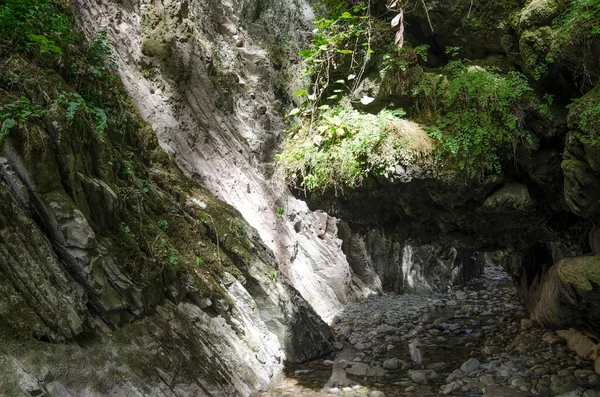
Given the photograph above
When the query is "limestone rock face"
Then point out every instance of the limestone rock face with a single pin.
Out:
(134, 269)
(204, 74)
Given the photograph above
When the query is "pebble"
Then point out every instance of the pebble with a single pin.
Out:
(470, 365)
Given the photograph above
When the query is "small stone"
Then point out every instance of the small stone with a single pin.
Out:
(470, 365)
(376, 319)
(573, 393)
(410, 388)
(526, 324)
(363, 345)
(451, 303)
(518, 383)
(299, 372)
(563, 384)
(328, 362)
(434, 332)
(551, 338)
(449, 388)
(358, 369)
(422, 376)
(392, 363)
(486, 380)
(491, 350)
(583, 373)
(376, 393)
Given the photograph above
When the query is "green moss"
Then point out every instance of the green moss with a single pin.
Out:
(582, 273)
(343, 146)
(153, 47)
(584, 116)
(536, 50)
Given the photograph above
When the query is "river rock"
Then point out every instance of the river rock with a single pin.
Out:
(363, 345)
(392, 363)
(358, 369)
(450, 387)
(563, 384)
(422, 376)
(470, 365)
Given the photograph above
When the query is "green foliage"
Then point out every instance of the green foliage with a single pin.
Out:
(237, 228)
(273, 274)
(280, 211)
(36, 27)
(17, 114)
(581, 21)
(44, 32)
(75, 103)
(421, 51)
(341, 41)
(584, 115)
(344, 146)
(482, 115)
(163, 225)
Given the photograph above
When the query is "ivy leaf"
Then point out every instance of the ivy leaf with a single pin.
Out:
(323, 107)
(351, 77)
(345, 51)
(294, 112)
(346, 15)
(323, 47)
(340, 81)
(332, 97)
(300, 93)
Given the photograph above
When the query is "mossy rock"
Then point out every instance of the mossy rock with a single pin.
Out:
(581, 184)
(511, 197)
(582, 273)
(154, 48)
(539, 13)
(534, 47)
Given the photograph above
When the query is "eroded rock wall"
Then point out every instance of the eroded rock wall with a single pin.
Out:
(119, 276)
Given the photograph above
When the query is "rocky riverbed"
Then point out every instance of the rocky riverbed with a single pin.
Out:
(476, 341)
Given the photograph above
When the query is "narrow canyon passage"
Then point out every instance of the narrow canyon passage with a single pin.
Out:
(476, 340)
(252, 198)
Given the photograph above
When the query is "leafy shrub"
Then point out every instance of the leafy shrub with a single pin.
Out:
(17, 114)
(342, 41)
(44, 33)
(581, 20)
(344, 146)
(482, 115)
